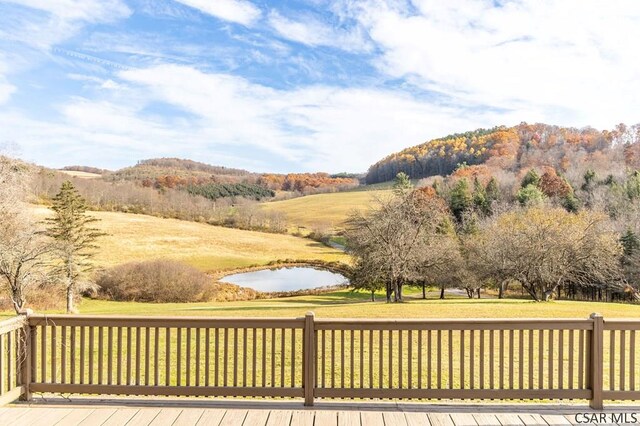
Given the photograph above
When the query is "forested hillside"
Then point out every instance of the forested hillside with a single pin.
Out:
(513, 148)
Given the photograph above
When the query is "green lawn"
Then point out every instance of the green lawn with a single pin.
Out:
(348, 304)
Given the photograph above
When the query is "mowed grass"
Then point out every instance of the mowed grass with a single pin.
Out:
(349, 304)
(324, 210)
(134, 237)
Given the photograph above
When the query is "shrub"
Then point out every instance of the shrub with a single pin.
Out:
(154, 281)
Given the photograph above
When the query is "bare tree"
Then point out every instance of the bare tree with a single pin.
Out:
(394, 234)
(546, 248)
(23, 247)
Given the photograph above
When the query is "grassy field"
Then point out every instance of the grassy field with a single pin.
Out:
(349, 304)
(323, 210)
(82, 175)
(139, 237)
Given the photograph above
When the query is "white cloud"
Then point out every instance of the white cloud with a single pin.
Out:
(239, 11)
(569, 62)
(80, 10)
(312, 32)
(233, 122)
(6, 89)
(319, 127)
(45, 23)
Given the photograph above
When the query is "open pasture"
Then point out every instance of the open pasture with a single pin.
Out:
(327, 211)
(133, 237)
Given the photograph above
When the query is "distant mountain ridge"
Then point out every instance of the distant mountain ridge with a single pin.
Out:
(513, 148)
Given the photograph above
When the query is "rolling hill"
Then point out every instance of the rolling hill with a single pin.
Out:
(139, 237)
(327, 211)
(510, 148)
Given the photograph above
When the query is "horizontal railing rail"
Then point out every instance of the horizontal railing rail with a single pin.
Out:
(532, 359)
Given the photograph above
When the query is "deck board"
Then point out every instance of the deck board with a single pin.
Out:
(211, 417)
(463, 419)
(278, 417)
(532, 419)
(233, 418)
(302, 418)
(256, 417)
(144, 417)
(76, 417)
(326, 418)
(440, 419)
(121, 416)
(508, 419)
(555, 420)
(189, 417)
(394, 418)
(486, 419)
(348, 418)
(98, 417)
(166, 417)
(373, 418)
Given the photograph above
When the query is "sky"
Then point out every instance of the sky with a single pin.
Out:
(307, 85)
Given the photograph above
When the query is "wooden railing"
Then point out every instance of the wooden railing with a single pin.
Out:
(13, 355)
(514, 359)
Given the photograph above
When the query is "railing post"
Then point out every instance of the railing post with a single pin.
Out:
(25, 360)
(308, 379)
(596, 367)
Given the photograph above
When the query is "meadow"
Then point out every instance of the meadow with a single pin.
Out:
(351, 304)
(134, 237)
(328, 211)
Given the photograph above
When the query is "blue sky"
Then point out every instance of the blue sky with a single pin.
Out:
(309, 85)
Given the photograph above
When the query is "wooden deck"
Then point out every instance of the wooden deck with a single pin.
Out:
(132, 413)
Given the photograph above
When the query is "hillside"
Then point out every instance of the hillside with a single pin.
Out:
(512, 148)
(139, 237)
(154, 168)
(323, 211)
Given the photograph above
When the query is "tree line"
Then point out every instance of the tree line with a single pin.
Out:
(540, 234)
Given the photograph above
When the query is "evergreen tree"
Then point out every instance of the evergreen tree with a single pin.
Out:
(461, 199)
(480, 199)
(75, 238)
(402, 183)
(437, 187)
(589, 180)
(633, 186)
(531, 178)
(492, 190)
(630, 242)
(571, 203)
(530, 195)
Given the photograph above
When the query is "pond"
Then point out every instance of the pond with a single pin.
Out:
(286, 279)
